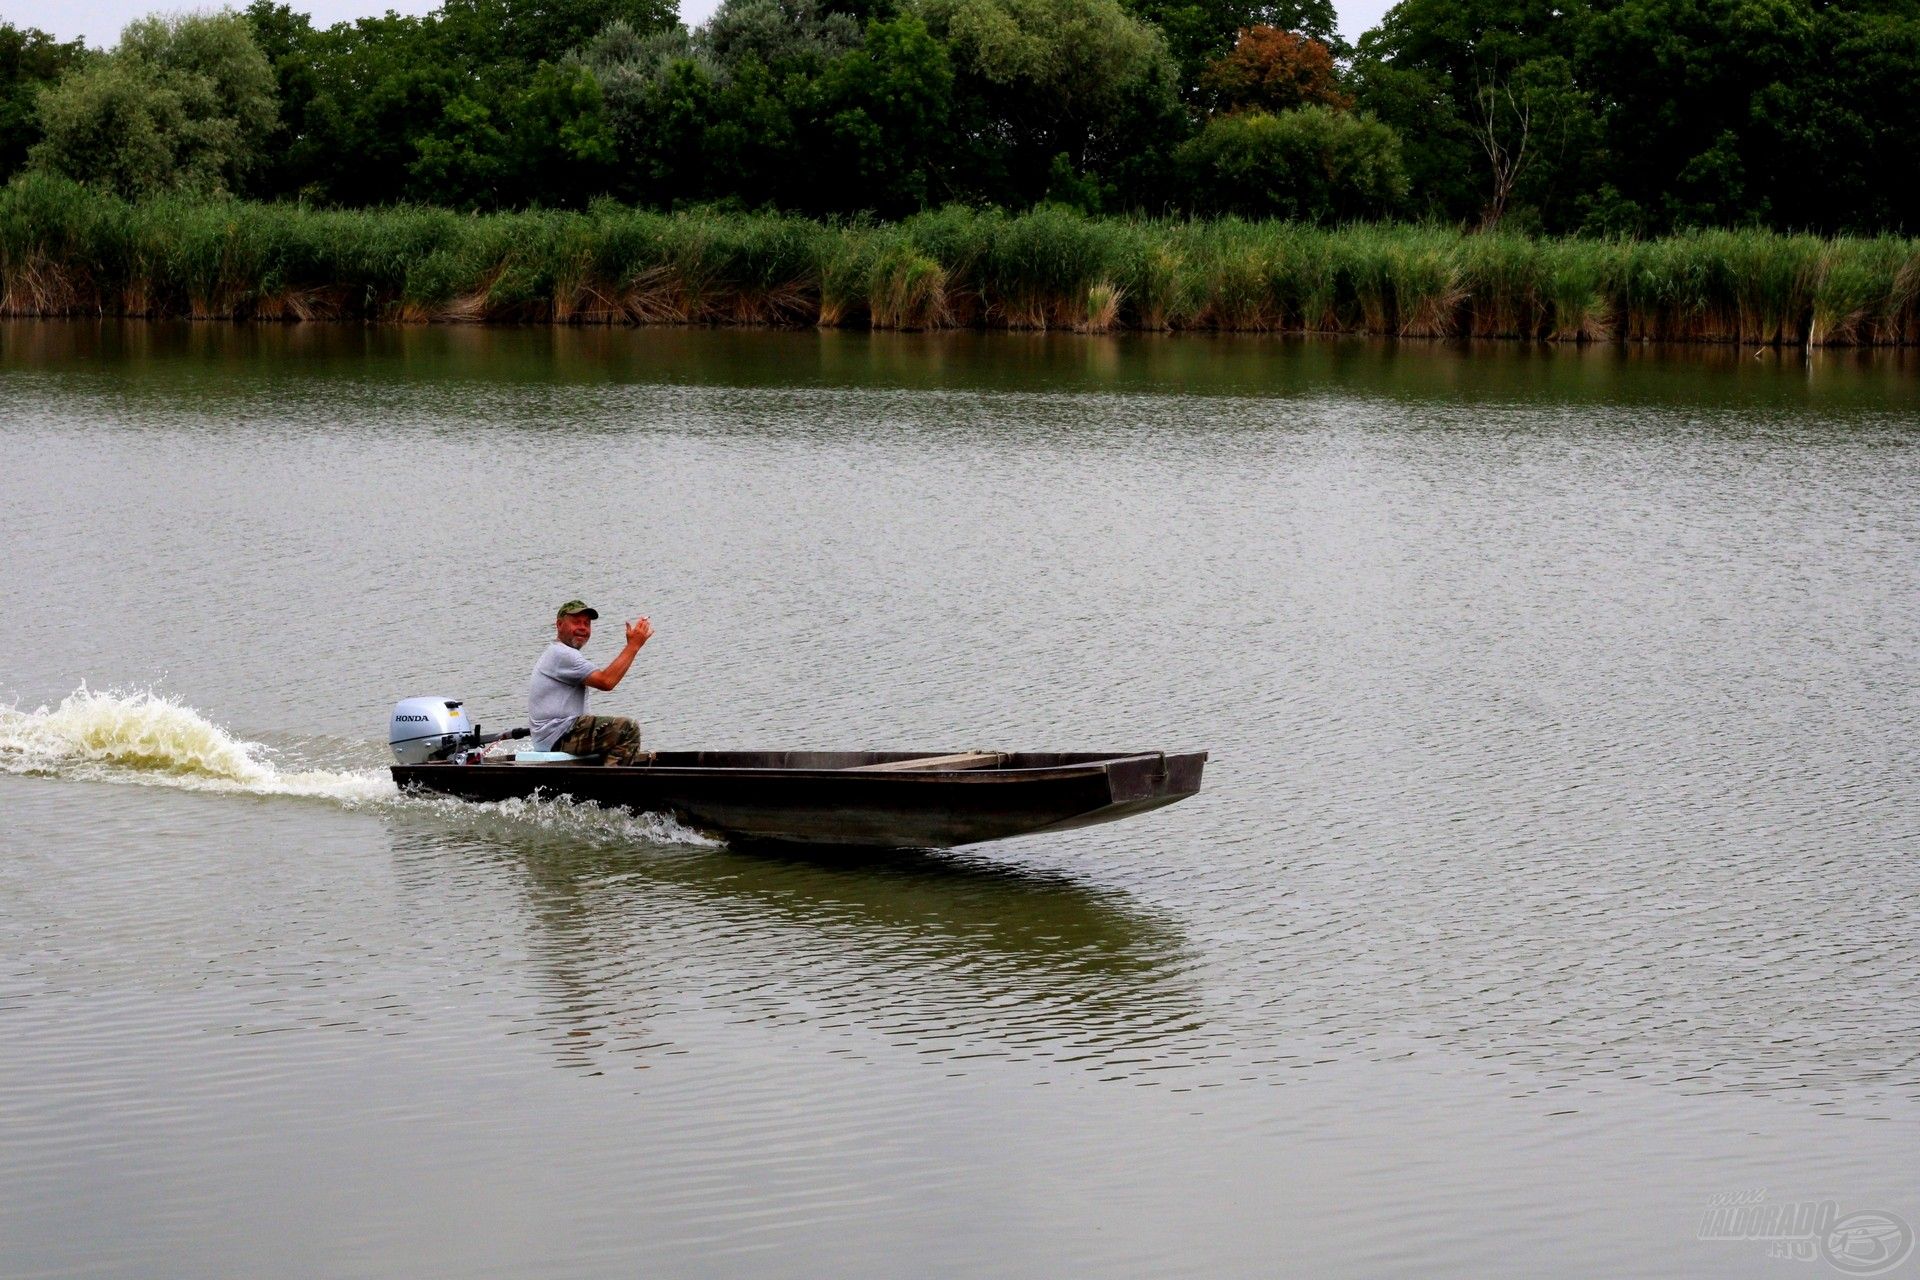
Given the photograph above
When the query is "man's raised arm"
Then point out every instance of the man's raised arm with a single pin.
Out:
(638, 633)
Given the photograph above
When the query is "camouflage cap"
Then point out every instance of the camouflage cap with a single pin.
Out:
(576, 606)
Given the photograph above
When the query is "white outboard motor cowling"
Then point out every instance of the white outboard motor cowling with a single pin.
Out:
(422, 727)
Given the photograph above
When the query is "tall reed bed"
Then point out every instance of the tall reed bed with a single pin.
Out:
(65, 250)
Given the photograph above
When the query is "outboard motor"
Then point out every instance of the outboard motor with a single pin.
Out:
(423, 728)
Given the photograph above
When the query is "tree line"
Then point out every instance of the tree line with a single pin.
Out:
(1598, 117)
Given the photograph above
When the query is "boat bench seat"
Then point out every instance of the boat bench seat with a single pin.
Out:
(963, 760)
(550, 757)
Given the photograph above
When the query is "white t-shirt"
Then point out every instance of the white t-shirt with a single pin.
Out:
(557, 695)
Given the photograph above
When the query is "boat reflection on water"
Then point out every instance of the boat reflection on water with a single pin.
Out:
(643, 948)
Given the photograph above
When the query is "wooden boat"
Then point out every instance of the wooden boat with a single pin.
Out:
(876, 799)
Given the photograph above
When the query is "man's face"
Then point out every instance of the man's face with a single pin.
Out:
(574, 629)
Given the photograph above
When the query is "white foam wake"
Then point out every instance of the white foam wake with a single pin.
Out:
(145, 738)
(564, 816)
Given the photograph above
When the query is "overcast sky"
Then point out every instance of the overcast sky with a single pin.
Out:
(100, 20)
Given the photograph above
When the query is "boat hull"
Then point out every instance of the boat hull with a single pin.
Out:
(841, 798)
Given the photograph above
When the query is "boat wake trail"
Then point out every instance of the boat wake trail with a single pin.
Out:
(143, 738)
(566, 818)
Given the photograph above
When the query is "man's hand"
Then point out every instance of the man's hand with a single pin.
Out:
(639, 632)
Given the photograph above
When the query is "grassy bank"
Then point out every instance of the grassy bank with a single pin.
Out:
(65, 251)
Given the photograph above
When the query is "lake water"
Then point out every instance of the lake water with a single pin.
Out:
(1555, 879)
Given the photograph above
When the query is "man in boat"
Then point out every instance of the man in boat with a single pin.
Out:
(557, 696)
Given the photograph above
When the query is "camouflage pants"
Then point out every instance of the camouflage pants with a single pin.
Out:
(614, 737)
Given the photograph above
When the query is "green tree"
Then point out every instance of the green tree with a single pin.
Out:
(1537, 136)
(885, 112)
(1703, 104)
(1492, 103)
(748, 146)
(182, 103)
(30, 60)
(1313, 164)
(737, 111)
(112, 125)
(656, 97)
(1850, 151)
(480, 104)
(659, 98)
(562, 150)
(462, 162)
(779, 34)
(519, 35)
(361, 99)
(1035, 79)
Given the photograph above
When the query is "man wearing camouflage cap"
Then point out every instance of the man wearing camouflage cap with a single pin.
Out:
(557, 696)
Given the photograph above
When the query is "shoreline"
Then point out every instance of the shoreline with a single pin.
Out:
(1458, 341)
(67, 252)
